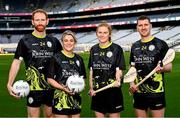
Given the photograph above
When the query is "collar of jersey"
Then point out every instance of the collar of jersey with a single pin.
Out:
(105, 46)
(41, 37)
(148, 40)
(67, 55)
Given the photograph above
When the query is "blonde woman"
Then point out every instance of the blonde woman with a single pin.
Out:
(106, 64)
(64, 64)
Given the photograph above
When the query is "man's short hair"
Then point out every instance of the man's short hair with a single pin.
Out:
(39, 11)
(143, 17)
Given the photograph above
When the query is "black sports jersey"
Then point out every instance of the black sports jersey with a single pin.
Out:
(61, 67)
(104, 62)
(36, 52)
(145, 56)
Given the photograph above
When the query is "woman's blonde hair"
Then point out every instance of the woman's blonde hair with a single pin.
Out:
(105, 24)
(68, 32)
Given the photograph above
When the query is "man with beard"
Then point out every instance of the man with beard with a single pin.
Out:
(145, 55)
(35, 49)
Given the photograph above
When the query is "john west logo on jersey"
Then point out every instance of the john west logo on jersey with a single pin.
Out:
(41, 54)
(143, 59)
(101, 66)
(69, 72)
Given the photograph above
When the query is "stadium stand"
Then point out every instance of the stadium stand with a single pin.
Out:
(82, 16)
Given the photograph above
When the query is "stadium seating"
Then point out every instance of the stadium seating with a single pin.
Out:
(124, 37)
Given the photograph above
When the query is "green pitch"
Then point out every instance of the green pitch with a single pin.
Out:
(10, 107)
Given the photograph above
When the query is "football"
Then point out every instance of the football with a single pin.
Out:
(21, 88)
(75, 83)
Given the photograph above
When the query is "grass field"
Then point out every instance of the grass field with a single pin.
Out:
(10, 107)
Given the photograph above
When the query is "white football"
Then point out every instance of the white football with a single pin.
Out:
(21, 88)
(75, 83)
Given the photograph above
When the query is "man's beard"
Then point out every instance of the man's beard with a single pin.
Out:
(40, 28)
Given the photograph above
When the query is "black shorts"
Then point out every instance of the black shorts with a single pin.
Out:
(66, 111)
(153, 101)
(108, 101)
(37, 98)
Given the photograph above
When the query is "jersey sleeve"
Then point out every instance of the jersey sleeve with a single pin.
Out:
(83, 70)
(131, 60)
(90, 59)
(20, 50)
(164, 49)
(120, 61)
(51, 68)
(58, 45)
